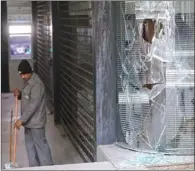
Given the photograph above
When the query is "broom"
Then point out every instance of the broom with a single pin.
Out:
(10, 143)
(12, 163)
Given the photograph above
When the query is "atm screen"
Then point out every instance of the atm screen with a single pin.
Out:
(20, 46)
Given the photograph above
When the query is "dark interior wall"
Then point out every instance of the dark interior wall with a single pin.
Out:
(4, 49)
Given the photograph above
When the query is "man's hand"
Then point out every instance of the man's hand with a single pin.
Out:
(18, 124)
(16, 92)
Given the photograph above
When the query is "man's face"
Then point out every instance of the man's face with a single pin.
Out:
(25, 77)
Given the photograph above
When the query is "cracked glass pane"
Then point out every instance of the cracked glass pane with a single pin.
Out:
(155, 47)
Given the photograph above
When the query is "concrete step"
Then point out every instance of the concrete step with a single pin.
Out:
(82, 166)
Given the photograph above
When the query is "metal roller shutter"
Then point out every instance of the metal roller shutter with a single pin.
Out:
(43, 43)
(76, 76)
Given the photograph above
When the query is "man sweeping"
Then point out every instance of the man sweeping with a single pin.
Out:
(33, 116)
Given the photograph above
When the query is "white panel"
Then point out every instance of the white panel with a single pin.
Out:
(19, 18)
(19, 10)
(19, 29)
(18, 3)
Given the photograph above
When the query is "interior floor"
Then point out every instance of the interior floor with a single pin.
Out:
(63, 152)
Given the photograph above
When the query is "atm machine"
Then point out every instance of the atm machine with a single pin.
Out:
(19, 38)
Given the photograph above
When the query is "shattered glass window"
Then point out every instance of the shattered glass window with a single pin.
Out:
(155, 49)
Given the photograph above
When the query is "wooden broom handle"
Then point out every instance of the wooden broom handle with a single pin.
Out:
(10, 154)
(15, 129)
